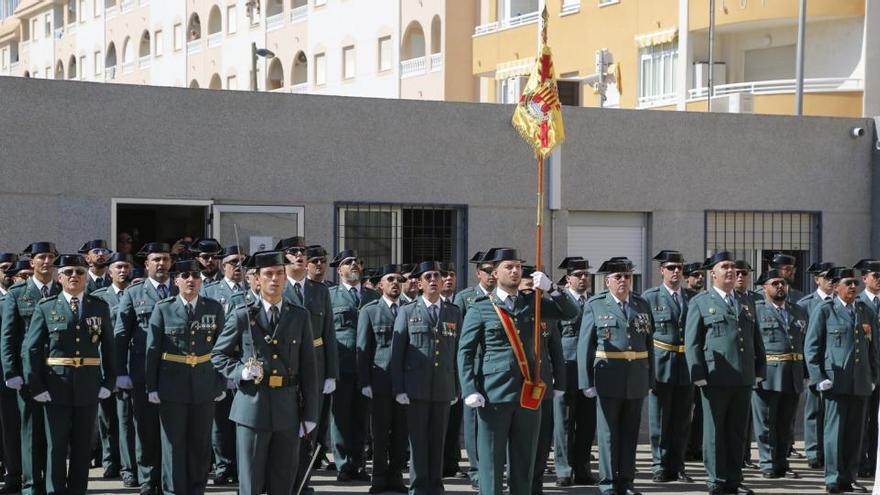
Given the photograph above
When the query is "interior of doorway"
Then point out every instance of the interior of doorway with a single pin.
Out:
(145, 222)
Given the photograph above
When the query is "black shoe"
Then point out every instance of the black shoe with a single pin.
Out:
(331, 466)
(857, 488)
(683, 476)
(834, 489)
(788, 473)
(739, 490)
(663, 477)
(629, 491)
(793, 452)
(475, 483)
(750, 465)
(815, 464)
(130, 483)
(586, 479)
(563, 482)
(344, 476)
(376, 489)
(770, 475)
(224, 480)
(12, 488)
(110, 473)
(397, 487)
(360, 475)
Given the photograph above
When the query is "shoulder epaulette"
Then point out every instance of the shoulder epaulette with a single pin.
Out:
(808, 297)
(18, 284)
(484, 297)
(651, 290)
(48, 298)
(97, 292)
(597, 297)
(762, 302)
(167, 300)
(136, 283)
(700, 295)
(638, 297)
(371, 303)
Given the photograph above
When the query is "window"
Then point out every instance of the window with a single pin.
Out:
(231, 83)
(348, 62)
(569, 93)
(231, 19)
(4, 57)
(510, 89)
(96, 8)
(96, 60)
(320, 70)
(657, 72)
(47, 24)
(318, 3)
(384, 53)
(34, 28)
(82, 66)
(159, 43)
(178, 36)
(81, 11)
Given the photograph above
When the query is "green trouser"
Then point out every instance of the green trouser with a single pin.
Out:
(469, 425)
(388, 423)
(617, 426)
(725, 411)
(267, 460)
(772, 416)
(545, 439)
(223, 438)
(426, 421)
(70, 430)
(186, 446)
(507, 428)
(108, 430)
(318, 440)
(844, 427)
(669, 421)
(147, 438)
(127, 436)
(11, 425)
(574, 431)
(347, 425)
(814, 424)
(33, 444)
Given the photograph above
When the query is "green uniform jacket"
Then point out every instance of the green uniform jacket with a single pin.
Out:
(466, 298)
(108, 295)
(723, 347)
(132, 326)
(317, 301)
(840, 349)
(422, 356)
(605, 328)
(779, 338)
(669, 367)
(223, 294)
(345, 321)
(496, 375)
(810, 302)
(259, 406)
(171, 333)
(569, 333)
(55, 333)
(92, 285)
(19, 306)
(375, 332)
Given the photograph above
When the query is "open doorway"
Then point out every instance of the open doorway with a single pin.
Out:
(137, 221)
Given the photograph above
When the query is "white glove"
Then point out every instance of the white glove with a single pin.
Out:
(701, 383)
(230, 384)
(541, 281)
(309, 426)
(15, 383)
(329, 385)
(758, 379)
(153, 397)
(873, 386)
(220, 397)
(825, 385)
(103, 393)
(558, 393)
(251, 372)
(453, 401)
(367, 392)
(402, 399)
(475, 400)
(124, 382)
(590, 392)
(44, 397)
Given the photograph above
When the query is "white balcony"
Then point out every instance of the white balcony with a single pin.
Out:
(128, 67)
(299, 14)
(275, 22)
(436, 62)
(299, 88)
(110, 73)
(193, 47)
(215, 39)
(144, 62)
(782, 86)
(656, 100)
(126, 5)
(110, 13)
(413, 67)
(512, 22)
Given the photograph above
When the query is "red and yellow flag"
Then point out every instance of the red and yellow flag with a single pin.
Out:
(538, 114)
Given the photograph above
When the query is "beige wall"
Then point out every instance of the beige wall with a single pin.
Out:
(732, 12)
(129, 24)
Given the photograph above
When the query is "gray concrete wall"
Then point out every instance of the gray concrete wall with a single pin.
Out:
(66, 148)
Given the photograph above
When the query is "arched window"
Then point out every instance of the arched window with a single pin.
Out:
(215, 82)
(194, 84)
(215, 22)
(59, 70)
(413, 42)
(300, 73)
(276, 74)
(71, 67)
(110, 62)
(436, 35)
(144, 49)
(194, 28)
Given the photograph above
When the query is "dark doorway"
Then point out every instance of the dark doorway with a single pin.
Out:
(162, 223)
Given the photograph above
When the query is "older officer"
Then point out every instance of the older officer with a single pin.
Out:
(132, 326)
(423, 375)
(180, 379)
(814, 409)
(115, 416)
(9, 416)
(842, 362)
(494, 382)
(19, 306)
(68, 365)
(774, 404)
(267, 348)
(670, 402)
(347, 427)
(387, 418)
(96, 254)
(464, 300)
(615, 363)
(725, 354)
(574, 413)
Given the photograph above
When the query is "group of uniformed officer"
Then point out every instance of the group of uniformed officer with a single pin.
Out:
(259, 364)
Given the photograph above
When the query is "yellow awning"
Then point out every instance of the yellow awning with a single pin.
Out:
(9, 29)
(656, 38)
(521, 67)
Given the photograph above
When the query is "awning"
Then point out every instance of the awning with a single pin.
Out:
(9, 29)
(521, 67)
(656, 38)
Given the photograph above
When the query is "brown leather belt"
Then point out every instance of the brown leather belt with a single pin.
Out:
(191, 360)
(76, 362)
(668, 347)
(628, 355)
(791, 356)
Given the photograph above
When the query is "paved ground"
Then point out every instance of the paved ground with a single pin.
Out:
(325, 482)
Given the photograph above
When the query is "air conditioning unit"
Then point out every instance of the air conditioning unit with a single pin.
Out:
(734, 103)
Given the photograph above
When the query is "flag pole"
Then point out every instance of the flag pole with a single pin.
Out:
(539, 227)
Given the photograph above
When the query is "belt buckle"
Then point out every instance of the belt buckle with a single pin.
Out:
(191, 360)
(276, 381)
(629, 355)
(77, 362)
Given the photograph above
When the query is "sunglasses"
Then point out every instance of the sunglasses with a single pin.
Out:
(100, 252)
(850, 282)
(673, 267)
(211, 256)
(294, 251)
(69, 272)
(487, 269)
(742, 273)
(621, 276)
(397, 279)
(187, 275)
(778, 283)
(579, 274)
(431, 275)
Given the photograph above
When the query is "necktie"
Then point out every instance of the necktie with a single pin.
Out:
(354, 295)
(877, 304)
(849, 309)
(731, 302)
(511, 303)
(74, 307)
(45, 291)
(163, 292)
(623, 308)
(581, 301)
(394, 309)
(297, 289)
(784, 315)
(827, 298)
(119, 294)
(190, 312)
(273, 317)
(236, 288)
(677, 306)
(434, 315)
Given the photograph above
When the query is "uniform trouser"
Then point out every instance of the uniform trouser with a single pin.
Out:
(347, 425)
(669, 421)
(869, 446)
(772, 416)
(844, 428)
(426, 421)
(725, 412)
(747, 439)
(10, 421)
(223, 438)
(452, 450)
(186, 446)
(618, 435)
(695, 439)
(69, 429)
(108, 430)
(814, 425)
(306, 451)
(267, 460)
(389, 425)
(507, 431)
(545, 439)
(127, 436)
(33, 444)
(574, 431)
(469, 424)
(147, 440)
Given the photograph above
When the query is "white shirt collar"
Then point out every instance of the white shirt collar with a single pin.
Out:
(871, 296)
(575, 295)
(267, 306)
(3, 291)
(845, 305)
(483, 290)
(502, 295)
(295, 281)
(822, 295)
(185, 302)
(671, 292)
(68, 297)
(40, 285)
(389, 302)
(156, 283)
(231, 284)
(93, 276)
(116, 290)
(724, 294)
(618, 301)
(428, 303)
(348, 287)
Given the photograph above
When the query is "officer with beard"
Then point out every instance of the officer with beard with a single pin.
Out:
(96, 254)
(209, 253)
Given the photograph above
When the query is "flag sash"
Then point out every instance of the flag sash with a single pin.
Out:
(532, 392)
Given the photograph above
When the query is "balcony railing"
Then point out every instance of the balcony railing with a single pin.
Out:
(110, 73)
(128, 67)
(274, 22)
(512, 22)
(570, 7)
(656, 100)
(144, 62)
(299, 13)
(413, 67)
(782, 86)
(194, 46)
(299, 88)
(215, 39)
(436, 62)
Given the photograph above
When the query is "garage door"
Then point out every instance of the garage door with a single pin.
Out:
(598, 236)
